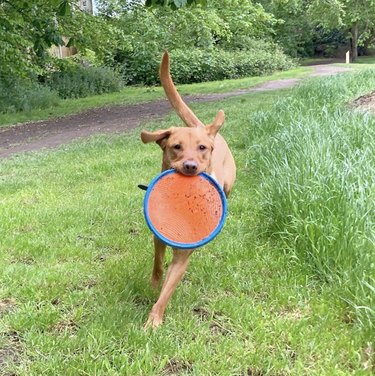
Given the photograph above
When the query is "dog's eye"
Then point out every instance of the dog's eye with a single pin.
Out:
(177, 147)
(202, 147)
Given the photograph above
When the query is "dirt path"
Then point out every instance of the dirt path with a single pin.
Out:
(116, 119)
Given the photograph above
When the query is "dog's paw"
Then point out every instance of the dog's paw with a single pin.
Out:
(152, 322)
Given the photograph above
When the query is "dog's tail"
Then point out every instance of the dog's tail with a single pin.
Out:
(181, 108)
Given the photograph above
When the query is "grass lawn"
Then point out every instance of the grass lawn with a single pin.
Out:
(365, 60)
(319, 60)
(361, 62)
(131, 95)
(76, 254)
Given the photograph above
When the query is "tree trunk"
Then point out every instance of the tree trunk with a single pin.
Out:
(354, 42)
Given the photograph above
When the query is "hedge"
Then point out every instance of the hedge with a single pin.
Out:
(197, 65)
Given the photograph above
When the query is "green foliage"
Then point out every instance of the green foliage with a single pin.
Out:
(112, 8)
(216, 42)
(128, 35)
(199, 65)
(301, 22)
(29, 28)
(215, 65)
(244, 19)
(174, 4)
(75, 81)
(293, 29)
(356, 18)
(159, 29)
(18, 94)
(328, 14)
(91, 34)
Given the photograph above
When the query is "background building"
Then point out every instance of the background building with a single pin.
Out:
(87, 6)
(62, 51)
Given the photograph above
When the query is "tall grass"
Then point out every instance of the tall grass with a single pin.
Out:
(318, 184)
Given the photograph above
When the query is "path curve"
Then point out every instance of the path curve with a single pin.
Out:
(116, 119)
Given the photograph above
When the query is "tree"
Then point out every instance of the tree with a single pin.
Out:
(246, 21)
(229, 22)
(110, 9)
(294, 30)
(30, 27)
(174, 4)
(355, 17)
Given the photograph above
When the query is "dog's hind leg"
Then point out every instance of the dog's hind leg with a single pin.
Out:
(176, 271)
(157, 272)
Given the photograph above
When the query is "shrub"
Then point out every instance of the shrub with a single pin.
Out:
(18, 94)
(75, 81)
(198, 65)
(139, 67)
(261, 62)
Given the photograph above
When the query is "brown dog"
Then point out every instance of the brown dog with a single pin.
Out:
(189, 150)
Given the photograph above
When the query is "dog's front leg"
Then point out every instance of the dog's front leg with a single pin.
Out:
(157, 272)
(176, 271)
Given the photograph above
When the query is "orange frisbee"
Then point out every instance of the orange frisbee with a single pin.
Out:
(185, 211)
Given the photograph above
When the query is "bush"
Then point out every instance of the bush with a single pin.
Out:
(18, 94)
(139, 67)
(75, 81)
(198, 65)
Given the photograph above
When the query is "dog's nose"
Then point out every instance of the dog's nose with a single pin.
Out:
(190, 166)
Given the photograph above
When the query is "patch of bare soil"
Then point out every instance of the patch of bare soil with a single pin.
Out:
(176, 368)
(365, 102)
(217, 321)
(116, 119)
(7, 305)
(66, 326)
(10, 351)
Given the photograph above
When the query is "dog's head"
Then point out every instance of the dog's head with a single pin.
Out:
(185, 149)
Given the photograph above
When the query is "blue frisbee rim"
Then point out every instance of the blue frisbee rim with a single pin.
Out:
(181, 245)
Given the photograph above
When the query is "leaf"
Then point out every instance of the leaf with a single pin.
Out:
(70, 42)
(56, 3)
(64, 8)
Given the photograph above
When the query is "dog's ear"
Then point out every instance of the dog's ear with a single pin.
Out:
(214, 128)
(158, 136)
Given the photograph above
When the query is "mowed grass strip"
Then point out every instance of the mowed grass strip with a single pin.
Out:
(76, 258)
